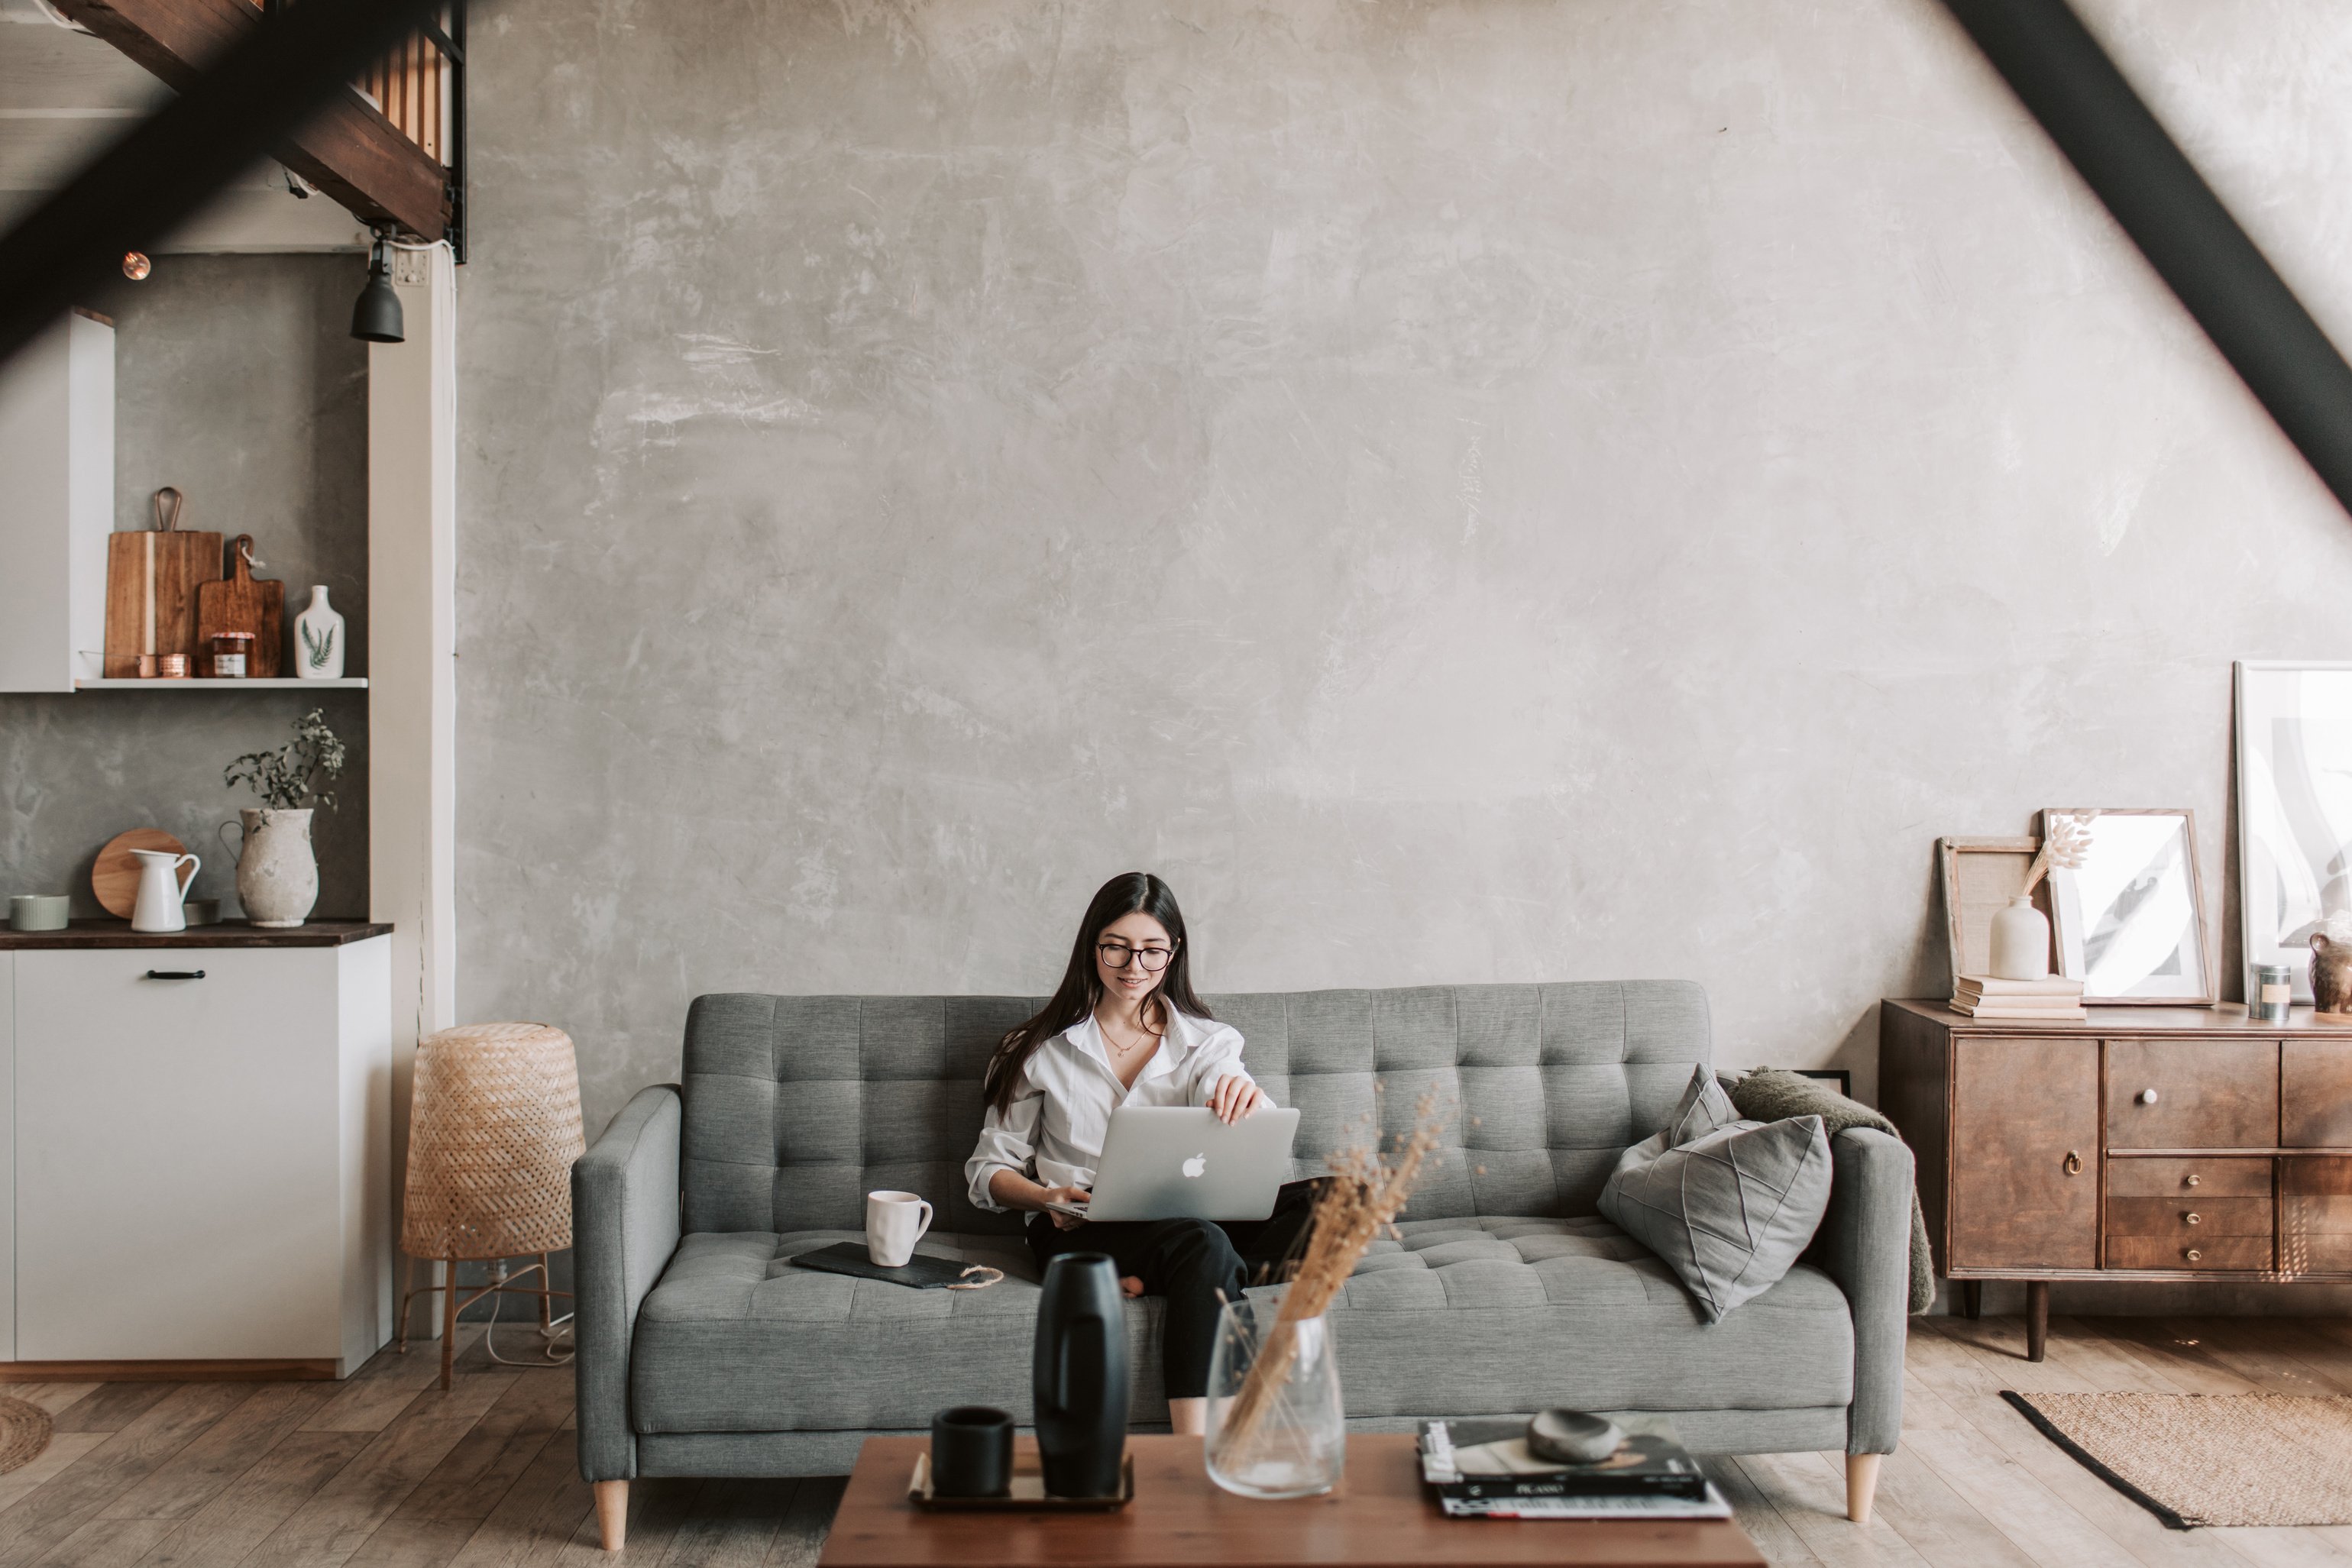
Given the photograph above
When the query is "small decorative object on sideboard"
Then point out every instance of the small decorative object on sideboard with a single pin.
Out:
(277, 869)
(162, 890)
(2021, 933)
(2274, 993)
(1079, 1372)
(319, 639)
(2331, 966)
(244, 602)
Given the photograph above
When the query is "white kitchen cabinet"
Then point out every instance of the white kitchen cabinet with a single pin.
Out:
(201, 1165)
(57, 504)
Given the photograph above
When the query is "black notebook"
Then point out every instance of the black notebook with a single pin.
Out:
(923, 1273)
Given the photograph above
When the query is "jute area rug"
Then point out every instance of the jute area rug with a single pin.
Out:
(24, 1433)
(2192, 1459)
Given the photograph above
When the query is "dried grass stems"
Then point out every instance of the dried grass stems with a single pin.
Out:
(1357, 1203)
(2065, 845)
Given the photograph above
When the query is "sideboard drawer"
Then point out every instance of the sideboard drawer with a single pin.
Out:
(2205, 1178)
(2316, 1237)
(2315, 1093)
(2171, 1252)
(2189, 1219)
(2192, 1093)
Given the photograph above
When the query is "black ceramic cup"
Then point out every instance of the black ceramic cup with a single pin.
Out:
(971, 1452)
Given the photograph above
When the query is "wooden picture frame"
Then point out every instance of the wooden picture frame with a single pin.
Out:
(1979, 876)
(2190, 991)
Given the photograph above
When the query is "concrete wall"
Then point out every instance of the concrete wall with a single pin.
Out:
(1471, 491)
(236, 380)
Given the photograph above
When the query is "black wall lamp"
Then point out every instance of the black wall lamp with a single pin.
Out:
(375, 315)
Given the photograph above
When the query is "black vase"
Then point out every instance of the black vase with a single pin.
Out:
(1080, 1372)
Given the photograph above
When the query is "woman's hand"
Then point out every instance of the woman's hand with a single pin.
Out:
(1234, 1097)
(1077, 1195)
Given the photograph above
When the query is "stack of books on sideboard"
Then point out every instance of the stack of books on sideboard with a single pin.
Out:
(1985, 997)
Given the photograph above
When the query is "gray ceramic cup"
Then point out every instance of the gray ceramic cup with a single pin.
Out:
(38, 911)
(203, 911)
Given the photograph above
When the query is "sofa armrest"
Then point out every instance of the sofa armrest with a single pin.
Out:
(625, 1227)
(1864, 1244)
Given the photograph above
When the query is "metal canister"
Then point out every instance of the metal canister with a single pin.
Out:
(2274, 992)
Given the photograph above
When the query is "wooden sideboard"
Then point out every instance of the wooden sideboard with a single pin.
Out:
(2145, 1144)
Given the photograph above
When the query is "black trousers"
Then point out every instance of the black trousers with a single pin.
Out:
(1191, 1262)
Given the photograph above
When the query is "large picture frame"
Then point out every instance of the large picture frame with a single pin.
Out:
(2129, 921)
(2294, 808)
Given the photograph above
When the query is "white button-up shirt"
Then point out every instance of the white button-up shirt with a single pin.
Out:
(1052, 1131)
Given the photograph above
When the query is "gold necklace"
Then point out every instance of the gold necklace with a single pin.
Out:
(1147, 1037)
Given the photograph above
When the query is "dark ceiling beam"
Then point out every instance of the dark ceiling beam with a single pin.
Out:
(2066, 80)
(264, 88)
(349, 151)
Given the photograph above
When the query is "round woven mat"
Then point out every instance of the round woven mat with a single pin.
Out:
(24, 1433)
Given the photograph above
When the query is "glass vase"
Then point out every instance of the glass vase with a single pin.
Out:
(1276, 1425)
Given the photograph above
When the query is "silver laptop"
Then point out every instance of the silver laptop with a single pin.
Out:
(1179, 1162)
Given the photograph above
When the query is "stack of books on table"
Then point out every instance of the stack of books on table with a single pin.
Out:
(1983, 996)
(1481, 1468)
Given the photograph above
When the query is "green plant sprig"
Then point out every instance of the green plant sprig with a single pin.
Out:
(288, 775)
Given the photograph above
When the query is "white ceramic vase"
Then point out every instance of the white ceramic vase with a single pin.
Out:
(319, 639)
(277, 872)
(2021, 941)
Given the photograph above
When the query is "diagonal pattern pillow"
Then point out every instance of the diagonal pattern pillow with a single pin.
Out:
(1730, 1208)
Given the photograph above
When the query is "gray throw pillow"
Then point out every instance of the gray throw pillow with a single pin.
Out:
(1728, 1209)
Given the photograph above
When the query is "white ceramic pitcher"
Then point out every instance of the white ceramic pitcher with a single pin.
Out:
(162, 893)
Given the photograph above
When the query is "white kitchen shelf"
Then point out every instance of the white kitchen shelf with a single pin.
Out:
(275, 684)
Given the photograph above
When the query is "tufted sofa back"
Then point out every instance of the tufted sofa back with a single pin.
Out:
(798, 1106)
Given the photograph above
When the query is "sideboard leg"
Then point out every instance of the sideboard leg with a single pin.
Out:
(1972, 1298)
(1861, 1485)
(2037, 1319)
(613, 1513)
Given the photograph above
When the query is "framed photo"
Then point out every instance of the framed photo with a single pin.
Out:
(1979, 876)
(2130, 920)
(2294, 809)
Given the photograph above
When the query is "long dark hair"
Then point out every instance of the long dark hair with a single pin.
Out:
(1081, 988)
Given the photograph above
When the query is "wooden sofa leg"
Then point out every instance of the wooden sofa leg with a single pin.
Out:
(1861, 1485)
(613, 1513)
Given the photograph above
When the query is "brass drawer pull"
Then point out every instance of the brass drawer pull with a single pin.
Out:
(2146, 1096)
(2194, 1180)
(2194, 1218)
(2074, 1162)
(2192, 1254)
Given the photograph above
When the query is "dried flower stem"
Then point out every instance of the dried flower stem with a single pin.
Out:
(1360, 1201)
(2064, 848)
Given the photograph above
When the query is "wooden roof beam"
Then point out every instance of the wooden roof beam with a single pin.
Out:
(349, 151)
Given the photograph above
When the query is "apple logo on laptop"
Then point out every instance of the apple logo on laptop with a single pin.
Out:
(1196, 1165)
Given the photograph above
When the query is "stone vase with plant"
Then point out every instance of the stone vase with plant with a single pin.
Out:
(277, 869)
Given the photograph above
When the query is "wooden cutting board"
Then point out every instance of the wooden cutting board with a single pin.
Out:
(153, 579)
(243, 602)
(115, 878)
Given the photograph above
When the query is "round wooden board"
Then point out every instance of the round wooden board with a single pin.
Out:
(115, 878)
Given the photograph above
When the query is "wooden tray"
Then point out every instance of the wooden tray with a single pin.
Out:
(1028, 1494)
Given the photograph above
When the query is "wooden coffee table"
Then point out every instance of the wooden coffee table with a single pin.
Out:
(1380, 1516)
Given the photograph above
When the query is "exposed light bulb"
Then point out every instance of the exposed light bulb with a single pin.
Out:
(136, 266)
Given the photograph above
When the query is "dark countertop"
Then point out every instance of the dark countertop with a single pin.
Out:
(227, 934)
(2224, 1018)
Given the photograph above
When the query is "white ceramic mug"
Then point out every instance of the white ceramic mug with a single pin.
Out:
(895, 1221)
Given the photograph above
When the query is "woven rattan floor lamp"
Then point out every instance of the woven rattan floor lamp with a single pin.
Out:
(493, 1128)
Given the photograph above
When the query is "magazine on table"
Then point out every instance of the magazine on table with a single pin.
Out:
(1625, 1505)
(1484, 1458)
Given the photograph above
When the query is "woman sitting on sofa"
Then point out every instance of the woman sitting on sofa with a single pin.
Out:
(1124, 1028)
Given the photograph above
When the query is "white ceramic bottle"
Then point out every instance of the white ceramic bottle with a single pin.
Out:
(2021, 941)
(319, 639)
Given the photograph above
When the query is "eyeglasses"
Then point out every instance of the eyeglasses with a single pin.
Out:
(1116, 954)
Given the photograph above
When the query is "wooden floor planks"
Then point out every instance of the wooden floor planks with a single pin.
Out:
(385, 1470)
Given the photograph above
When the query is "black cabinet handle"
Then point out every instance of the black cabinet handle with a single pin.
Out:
(175, 974)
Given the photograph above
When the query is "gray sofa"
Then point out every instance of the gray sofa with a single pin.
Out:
(702, 1351)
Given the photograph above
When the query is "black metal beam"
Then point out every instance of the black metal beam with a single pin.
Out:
(2066, 80)
(165, 170)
